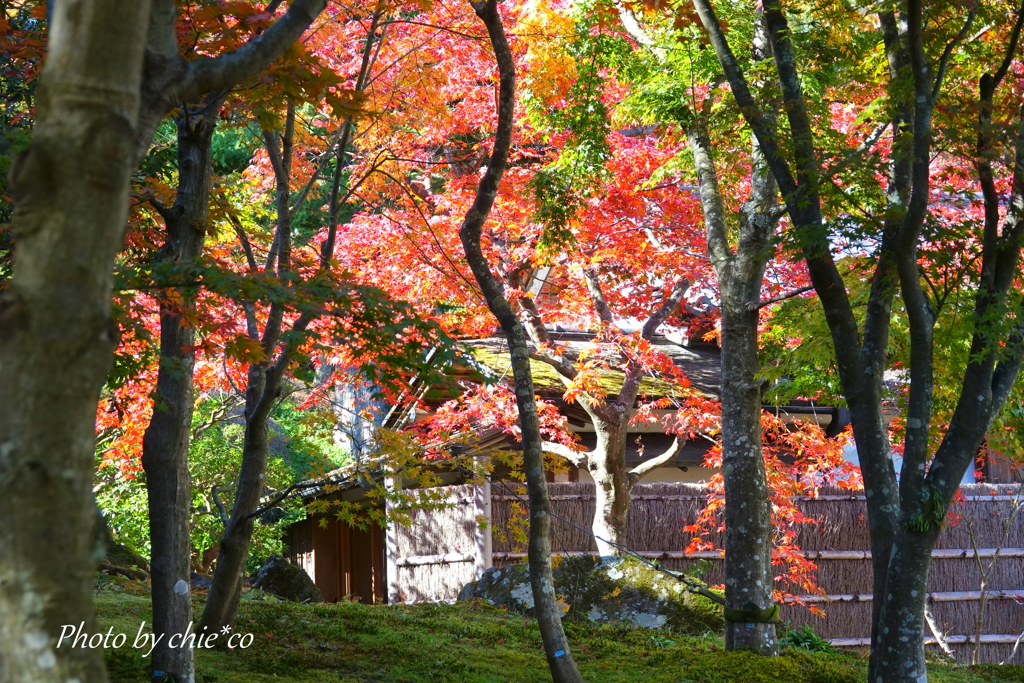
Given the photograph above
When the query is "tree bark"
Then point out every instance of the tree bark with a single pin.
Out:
(96, 116)
(549, 612)
(265, 379)
(166, 442)
(262, 388)
(70, 190)
(607, 465)
(748, 523)
(904, 520)
(222, 602)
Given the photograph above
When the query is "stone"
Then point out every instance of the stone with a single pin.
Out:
(200, 581)
(605, 590)
(279, 577)
(120, 559)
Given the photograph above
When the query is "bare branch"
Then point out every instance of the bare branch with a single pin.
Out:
(577, 458)
(1011, 48)
(670, 304)
(787, 295)
(147, 197)
(243, 239)
(668, 456)
(948, 51)
(939, 636)
(215, 491)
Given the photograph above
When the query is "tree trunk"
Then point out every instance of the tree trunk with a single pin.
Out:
(748, 523)
(166, 442)
(222, 603)
(70, 190)
(897, 648)
(607, 465)
(549, 612)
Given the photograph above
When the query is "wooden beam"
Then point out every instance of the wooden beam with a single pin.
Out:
(450, 558)
(995, 639)
(941, 553)
(948, 596)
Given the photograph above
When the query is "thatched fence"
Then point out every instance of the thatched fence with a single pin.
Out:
(839, 545)
(442, 550)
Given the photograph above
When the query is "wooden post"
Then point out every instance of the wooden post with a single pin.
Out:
(394, 589)
(482, 512)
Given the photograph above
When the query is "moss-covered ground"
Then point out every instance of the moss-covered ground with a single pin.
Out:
(467, 642)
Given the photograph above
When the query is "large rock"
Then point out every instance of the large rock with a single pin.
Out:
(605, 590)
(120, 559)
(278, 577)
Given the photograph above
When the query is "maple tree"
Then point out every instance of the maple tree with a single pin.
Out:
(314, 310)
(740, 268)
(628, 254)
(905, 516)
(113, 125)
(626, 237)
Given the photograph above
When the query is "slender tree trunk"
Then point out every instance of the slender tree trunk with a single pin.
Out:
(262, 389)
(166, 442)
(222, 603)
(549, 613)
(70, 190)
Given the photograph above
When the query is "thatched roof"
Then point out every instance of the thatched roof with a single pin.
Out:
(701, 365)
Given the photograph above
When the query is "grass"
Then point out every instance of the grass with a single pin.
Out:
(472, 642)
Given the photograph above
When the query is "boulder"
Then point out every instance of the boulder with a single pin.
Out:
(279, 577)
(120, 559)
(201, 581)
(605, 590)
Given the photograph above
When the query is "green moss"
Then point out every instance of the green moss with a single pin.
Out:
(472, 643)
(546, 380)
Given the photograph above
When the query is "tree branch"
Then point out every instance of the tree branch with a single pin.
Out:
(597, 297)
(577, 458)
(667, 307)
(947, 52)
(215, 491)
(643, 468)
(243, 239)
(787, 295)
(223, 72)
(147, 197)
(710, 195)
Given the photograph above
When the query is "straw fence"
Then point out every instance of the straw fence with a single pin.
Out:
(441, 551)
(839, 545)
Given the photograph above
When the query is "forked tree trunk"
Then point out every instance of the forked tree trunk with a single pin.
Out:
(70, 190)
(740, 271)
(166, 442)
(904, 521)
